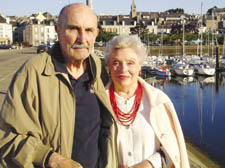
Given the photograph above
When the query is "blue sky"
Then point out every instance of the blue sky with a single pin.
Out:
(28, 7)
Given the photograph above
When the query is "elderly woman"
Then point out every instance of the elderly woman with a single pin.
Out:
(149, 131)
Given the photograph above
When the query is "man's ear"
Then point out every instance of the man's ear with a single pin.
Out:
(56, 28)
(97, 31)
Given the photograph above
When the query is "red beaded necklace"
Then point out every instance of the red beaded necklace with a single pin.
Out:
(126, 119)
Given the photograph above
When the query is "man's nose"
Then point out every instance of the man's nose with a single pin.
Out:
(81, 36)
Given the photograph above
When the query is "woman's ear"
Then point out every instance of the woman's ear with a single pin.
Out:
(140, 72)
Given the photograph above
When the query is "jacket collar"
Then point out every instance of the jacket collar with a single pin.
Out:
(154, 95)
(55, 62)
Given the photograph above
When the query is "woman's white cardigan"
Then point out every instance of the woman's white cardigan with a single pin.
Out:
(166, 125)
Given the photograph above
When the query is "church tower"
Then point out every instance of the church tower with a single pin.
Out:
(133, 11)
(89, 3)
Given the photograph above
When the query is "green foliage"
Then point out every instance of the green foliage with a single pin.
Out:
(177, 38)
(221, 39)
(177, 10)
(210, 11)
(104, 36)
(189, 27)
(174, 37)
(140, 29)
(166, 39)
(152, 37)
(191, 36)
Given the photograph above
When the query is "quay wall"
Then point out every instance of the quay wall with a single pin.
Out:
(178, 50)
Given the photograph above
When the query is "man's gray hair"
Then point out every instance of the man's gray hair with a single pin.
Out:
(126, 41)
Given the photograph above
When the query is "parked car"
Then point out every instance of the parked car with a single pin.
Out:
(14, 47)
(4, 46)
(50, 44)
(41, 48)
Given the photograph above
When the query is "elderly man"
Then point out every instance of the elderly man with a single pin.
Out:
(56, 112)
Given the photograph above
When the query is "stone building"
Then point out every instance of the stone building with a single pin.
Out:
(215, 20)
(36, 32)
(121, 24)
(5, 31)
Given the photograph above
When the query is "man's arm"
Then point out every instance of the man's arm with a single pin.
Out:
(20, 130)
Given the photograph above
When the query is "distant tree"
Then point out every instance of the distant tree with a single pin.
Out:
(104, 36)
(210, 11)
(175, 38)
(166, 39)
(189, 28)
(140, 29)
(221, 39)
(177, 10)
(191, 36)
(152, 37)
(176, 29)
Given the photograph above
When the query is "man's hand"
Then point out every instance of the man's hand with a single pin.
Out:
(144, 164)
(58, 161)
(123, 166)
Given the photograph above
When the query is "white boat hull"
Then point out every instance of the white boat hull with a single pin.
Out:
(184, 72)
(206, 71)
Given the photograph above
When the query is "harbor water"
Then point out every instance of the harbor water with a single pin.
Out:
(200, 105)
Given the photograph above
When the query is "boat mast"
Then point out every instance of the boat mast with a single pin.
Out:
(201, 30)
(183, 35)
(212, 31)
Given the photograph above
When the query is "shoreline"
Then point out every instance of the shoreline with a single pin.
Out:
(178, 50)
(198, 158)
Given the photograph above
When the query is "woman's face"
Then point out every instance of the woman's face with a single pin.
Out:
(124, 67)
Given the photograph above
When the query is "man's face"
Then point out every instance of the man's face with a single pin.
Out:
(77, 32)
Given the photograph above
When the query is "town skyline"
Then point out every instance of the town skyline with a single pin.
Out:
(116, 7)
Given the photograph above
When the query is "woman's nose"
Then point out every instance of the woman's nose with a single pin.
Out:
(123, 67)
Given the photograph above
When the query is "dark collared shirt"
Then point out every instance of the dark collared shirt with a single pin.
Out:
(87, 118)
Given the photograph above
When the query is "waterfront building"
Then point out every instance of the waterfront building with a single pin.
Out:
(156, 22)
(5, 30)
(215, 20)
(36, 32)
(121, 24)
(39, 28)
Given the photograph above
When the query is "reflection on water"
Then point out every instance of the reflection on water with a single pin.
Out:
(199, 102)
